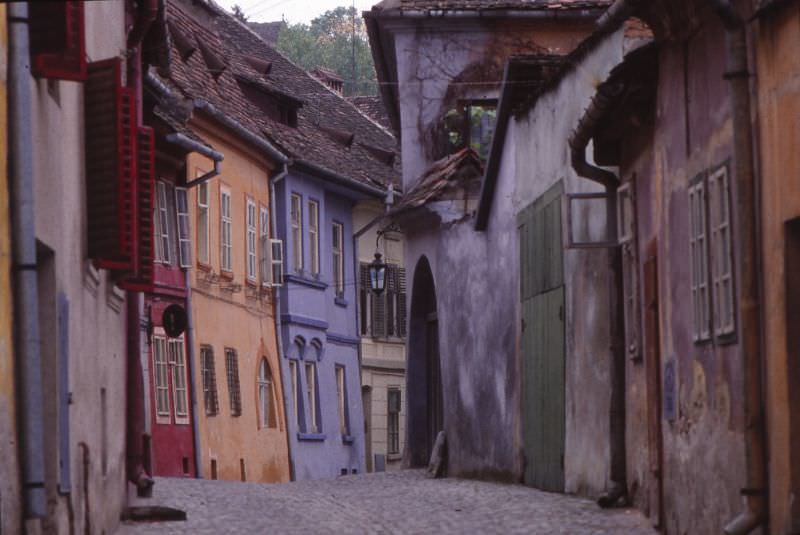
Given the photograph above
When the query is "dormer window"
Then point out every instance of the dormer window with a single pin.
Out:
(470, 124)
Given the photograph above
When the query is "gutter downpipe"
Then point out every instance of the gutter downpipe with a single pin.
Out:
(191, 145)
(26, 290)
(137, 440)
(737, 73)
(277, 314)
(601, 103)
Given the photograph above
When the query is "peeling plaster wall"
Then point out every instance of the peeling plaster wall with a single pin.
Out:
(542, 158)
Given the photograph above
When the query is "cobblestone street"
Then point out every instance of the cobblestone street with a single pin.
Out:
(404, 502)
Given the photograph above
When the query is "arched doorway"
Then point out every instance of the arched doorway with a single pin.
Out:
(425, 407)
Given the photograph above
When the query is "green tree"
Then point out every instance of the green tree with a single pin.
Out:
(238, 12)
(328, 42)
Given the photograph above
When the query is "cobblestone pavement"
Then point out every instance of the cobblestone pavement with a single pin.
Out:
(398, 502)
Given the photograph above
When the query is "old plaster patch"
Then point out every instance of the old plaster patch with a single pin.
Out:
(722, 403)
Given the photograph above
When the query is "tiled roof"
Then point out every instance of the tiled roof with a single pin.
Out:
(372, 106)
(268, 31)
(482, 5)
(322, 110)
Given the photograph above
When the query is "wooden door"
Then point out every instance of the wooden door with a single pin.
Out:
(543, 356)
(652, 333)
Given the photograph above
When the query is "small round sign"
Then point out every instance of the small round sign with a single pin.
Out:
(174, 320)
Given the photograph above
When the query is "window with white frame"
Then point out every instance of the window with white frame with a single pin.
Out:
(713, 293)
(295, 405)
(225, 224)
(209, 376)
(276, 260)
(161, 375)
(341, 396)
(337, 252)
(182, 220)
(264, 246)
(266, 405)
(162, 238)
(393, 420)
(179, 391)
(311, 396)
(251, 238)
(722, 254)
(313, 235)
(202, 223)
(297, 232)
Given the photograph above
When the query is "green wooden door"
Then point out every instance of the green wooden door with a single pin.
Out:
(542, 300)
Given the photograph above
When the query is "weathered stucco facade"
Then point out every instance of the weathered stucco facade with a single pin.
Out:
(232, 313)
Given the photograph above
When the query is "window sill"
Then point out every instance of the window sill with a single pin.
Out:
(311, 283)
(340, 301)
(311, 437)
(226, 275)
(203, 267)
(347, 439)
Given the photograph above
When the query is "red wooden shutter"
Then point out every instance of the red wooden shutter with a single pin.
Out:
(110, 167)
(142, 276)
(58, 43)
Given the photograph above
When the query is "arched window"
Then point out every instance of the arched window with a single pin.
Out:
(266, 399)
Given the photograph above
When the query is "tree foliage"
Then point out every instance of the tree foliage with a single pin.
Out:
(238, 12)
(328, 42)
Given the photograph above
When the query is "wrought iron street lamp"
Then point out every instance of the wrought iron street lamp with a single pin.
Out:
(377, 275)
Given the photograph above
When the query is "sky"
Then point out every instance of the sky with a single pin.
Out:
(294, 11)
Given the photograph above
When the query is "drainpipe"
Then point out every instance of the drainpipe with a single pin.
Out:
(755, 491)
(600, 105)
(198, 464)
(277, 313)
(26, 291)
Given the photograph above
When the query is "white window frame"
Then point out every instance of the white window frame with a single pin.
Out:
(250, 238)
(311, 396)
(162, 237)
(698, 242)
(295, 405)
(176, 349)
(570, 200)
(337, 257)
(225, 230)
(313, 235)
(719, 214)
(161, 376)
(264, 244)
(276, 262)
(266, 403)
(341, 397)
(296, 216)
(182, 226)
(203, 221)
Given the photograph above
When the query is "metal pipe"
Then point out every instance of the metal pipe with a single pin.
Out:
(190, 357)
(737, 73)
(24, 268)
(191, 145)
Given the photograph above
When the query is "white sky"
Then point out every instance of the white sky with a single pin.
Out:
(293, 11)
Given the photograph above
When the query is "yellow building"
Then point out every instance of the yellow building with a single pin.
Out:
(776, 43)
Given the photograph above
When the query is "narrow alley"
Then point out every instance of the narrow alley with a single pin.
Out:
(389, 502)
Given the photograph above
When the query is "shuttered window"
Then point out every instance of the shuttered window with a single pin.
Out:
(182, 216)
(250, 238)
(225, 224)
(264, 246)
(234, 390)
(202, 223)
(209, 380)
(383, 315)
(57, 40)
(162, 235)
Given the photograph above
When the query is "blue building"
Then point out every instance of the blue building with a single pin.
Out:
(336, 156)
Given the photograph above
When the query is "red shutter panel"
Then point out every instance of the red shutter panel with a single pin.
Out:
(58, 43)
(142, 277)
(110, 167)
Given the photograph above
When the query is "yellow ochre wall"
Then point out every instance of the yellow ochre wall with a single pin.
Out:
(239, 320)
(777, 44)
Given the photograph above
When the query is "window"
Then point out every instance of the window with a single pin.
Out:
(161, 374)
(393, 421)
(293, 377)
(225, 224)
(232, 369)
(182, 213)
(251, 239)
(699, 252)
(162, 239)
(313, 235)
(277, 262)
(470, 124)
(202, 224)
(311, 396)
(179, 390)
(337, 248)
(209, 380)
(385, 314)
(722, 255)
(266, 409)
(263, 243)
(713, 302)
(341, 396)
(297, 232)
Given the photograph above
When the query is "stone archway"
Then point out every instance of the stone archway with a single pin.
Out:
(424, 378)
